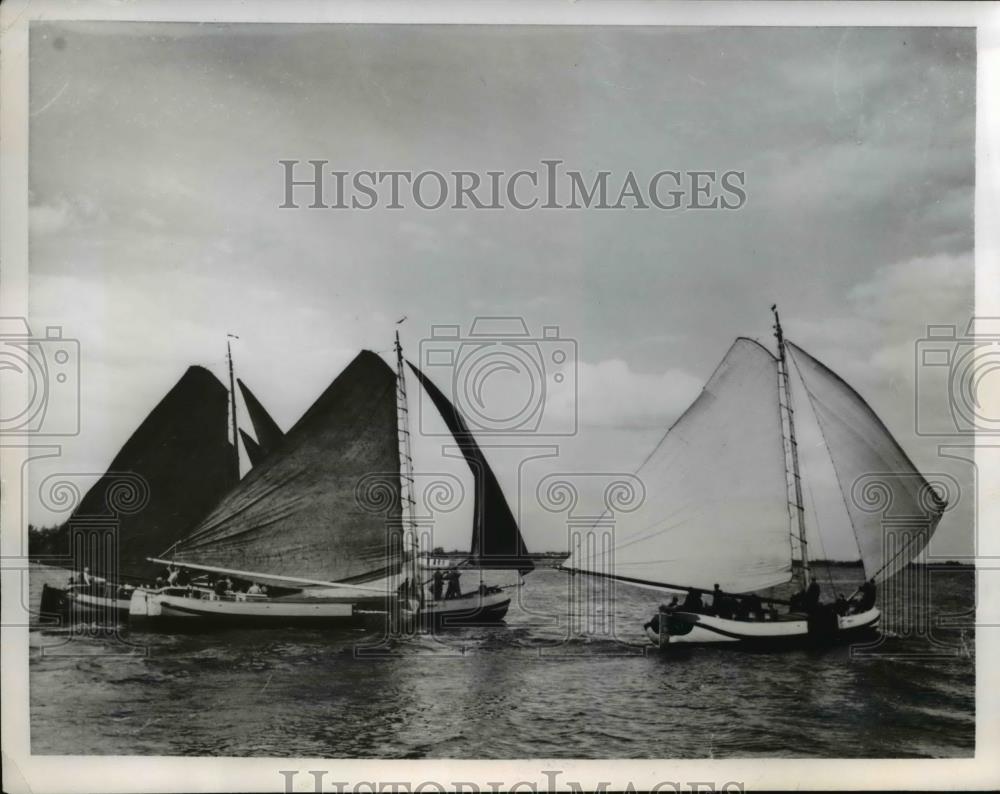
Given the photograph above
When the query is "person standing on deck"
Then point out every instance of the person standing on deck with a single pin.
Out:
(716, 598)
(437, 585)
(454, 590)
(812, 596)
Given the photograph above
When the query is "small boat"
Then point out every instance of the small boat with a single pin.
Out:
(725, 507)
(173, 469)
(303, 522)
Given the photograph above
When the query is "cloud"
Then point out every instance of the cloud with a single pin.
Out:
(63, 214)
(611, 394)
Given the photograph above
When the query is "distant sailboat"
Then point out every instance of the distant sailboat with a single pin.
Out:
(725, 504)
(295, 524)
(182, 461)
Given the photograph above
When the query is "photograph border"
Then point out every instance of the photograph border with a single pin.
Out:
(24, 772)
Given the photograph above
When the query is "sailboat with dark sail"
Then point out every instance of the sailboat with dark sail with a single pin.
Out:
(495, 544)
(295, 542)
(725, 510)
(179, 462)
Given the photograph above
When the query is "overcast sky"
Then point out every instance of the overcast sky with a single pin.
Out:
(155, 230)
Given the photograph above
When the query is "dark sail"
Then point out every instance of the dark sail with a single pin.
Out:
(180, 456)
(496, 539)
(254, 450)
(298, 513)
(268, 433)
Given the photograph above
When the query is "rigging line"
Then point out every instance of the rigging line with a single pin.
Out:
(819, 534)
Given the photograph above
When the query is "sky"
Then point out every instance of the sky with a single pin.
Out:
(155, 228)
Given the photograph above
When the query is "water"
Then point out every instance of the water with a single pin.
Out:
(535, 687)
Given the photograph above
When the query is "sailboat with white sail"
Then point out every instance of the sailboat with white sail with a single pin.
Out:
(305, 547)
(725, 508)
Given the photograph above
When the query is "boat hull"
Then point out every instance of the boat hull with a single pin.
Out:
(472, 609)
(82, 604)
(689, 628)
(190, 611)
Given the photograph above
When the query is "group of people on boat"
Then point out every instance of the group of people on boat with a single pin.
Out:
(751, 607)
(179, 576)
(438, 580)
(87, 582)
(808, 600)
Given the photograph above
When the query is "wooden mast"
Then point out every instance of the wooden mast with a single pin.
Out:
(784, 400)
(232, 404)
(406, 458)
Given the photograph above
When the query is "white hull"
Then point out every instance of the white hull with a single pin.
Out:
(688, 628)
(176, 605)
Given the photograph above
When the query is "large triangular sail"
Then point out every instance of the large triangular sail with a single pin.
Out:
(496, 538)
(298, 513)
(179, 458)
(715, 506)
(893, 509)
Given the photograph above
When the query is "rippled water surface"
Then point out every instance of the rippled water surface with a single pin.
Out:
(535, 687)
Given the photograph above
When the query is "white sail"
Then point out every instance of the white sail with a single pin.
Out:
(892, 509)
(828, 524)
(715, 507)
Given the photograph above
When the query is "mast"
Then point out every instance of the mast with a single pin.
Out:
(232, 404)
(406, 461)
(784, 401)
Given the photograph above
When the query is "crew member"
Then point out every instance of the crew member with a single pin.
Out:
(812, 596)
(437, 585)
(692, 602)
(454, 590)
(867, 591)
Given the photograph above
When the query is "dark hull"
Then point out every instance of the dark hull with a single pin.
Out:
(470, 610)
(63, 603)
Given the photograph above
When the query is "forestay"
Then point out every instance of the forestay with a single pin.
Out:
(715, 508)
(893, 510)
(298, 513)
